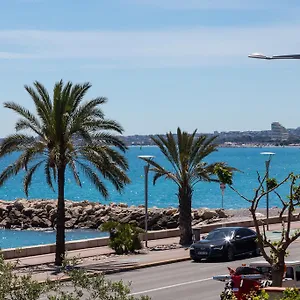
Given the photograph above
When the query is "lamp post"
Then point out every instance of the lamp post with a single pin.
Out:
(146, 170)
(267, 162)
(284, 56)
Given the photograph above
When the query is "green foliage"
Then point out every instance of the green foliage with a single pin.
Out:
(65, 132)
(288, 294)
(291, 294)
(224, 174)
(262, 295)
(271, 183)
(60, 121)
(186, 154)
(15, 287)
(124, 238)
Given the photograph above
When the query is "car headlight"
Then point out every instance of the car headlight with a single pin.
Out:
(192, 247)
(218, 247)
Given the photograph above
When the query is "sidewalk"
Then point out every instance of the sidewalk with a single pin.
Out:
(102, 259)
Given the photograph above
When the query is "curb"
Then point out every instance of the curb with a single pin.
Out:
(124, 269)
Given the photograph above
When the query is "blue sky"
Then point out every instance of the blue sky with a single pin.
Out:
(161, 63)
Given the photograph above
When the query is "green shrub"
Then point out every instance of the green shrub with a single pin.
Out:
(291, 294)
(124, 238)
(17, 287)
(288, 294)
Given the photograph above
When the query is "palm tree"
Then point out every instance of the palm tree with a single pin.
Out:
(67, 133)
(186, 154)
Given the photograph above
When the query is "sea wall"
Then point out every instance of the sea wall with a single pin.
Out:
(34, 214)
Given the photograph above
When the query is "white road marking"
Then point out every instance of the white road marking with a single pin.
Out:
(171, 286)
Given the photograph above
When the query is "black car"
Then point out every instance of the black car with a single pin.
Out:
(226, 243)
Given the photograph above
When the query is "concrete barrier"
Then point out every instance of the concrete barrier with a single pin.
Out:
(99, 242)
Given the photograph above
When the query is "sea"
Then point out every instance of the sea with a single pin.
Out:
(163, 194)
(249, 162)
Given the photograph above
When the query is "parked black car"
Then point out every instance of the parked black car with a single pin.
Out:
(226, 243)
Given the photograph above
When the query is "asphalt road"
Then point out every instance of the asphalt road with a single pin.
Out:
(182, 281)
(185, 280)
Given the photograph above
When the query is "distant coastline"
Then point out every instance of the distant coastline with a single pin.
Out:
(235, 145)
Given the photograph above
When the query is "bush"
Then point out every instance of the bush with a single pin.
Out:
(124, 238)
(15, 287)
(288, 294)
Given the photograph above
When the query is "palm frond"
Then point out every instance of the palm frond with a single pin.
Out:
(205, 148)
(91, 106)
(47, 171)
(24, 124)
(106, 166)
(40, 106)
(93, 177)
(25, 113)
(74, 172)
(163, 173)
(16, 142)
(168, 151)
(8, 172)
(44, 95)
(107, 139)
(77, 93)
(103, 124)
(28, 177)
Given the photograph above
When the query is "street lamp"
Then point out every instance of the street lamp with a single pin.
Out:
(146, 169)
(267, 162)
(285, 56)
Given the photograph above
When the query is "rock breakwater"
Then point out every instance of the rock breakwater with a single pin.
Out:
(31, 214)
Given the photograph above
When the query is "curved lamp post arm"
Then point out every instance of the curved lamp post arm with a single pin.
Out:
(266, 57)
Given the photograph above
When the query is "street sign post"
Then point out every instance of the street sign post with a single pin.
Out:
(222, 188)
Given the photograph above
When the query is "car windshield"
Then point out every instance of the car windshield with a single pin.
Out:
(220, 234)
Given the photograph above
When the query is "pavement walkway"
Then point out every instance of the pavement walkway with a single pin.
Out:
(102, 259)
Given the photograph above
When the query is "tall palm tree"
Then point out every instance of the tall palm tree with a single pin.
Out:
(186, 153)
(67, 133)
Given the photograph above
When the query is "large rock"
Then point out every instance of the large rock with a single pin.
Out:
(208, 214)
(29, 211)
(70, 223)
(20, 204)
(221, 213)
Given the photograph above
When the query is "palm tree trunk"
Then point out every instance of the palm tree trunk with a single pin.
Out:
(185, 215)
(60, 221)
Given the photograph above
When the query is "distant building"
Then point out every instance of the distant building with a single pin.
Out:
(278, 132)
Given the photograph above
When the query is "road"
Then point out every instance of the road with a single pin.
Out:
(185, 280)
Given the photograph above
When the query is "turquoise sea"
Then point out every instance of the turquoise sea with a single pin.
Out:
(163, 194)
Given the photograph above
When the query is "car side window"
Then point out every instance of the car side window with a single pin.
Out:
(297, 271)
(289, 273)
(244, 232)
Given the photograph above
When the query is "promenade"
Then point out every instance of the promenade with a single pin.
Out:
(103, 259)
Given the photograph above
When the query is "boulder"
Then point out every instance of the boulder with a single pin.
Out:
(20, 204)
(208, 214)
(221, 213)
(89, 209)
(14, 213)
(70, 223)
(29, 211)
(36, 221)
(50, 206)
(6, 223)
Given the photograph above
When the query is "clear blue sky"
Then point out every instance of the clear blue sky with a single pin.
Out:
(161, 63)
